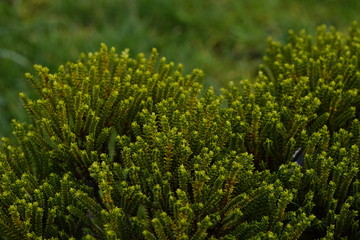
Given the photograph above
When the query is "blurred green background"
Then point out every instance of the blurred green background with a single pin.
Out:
(225, 38)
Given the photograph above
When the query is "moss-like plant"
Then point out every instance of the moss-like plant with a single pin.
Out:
(130, 148)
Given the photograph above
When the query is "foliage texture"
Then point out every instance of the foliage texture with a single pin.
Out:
(131, 148)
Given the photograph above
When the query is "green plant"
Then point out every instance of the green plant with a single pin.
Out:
(228, 35)
(130, 148)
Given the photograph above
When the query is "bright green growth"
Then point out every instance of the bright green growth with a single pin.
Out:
(127, 148)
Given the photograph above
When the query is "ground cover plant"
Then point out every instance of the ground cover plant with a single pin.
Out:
(229, 35)
(122, 147)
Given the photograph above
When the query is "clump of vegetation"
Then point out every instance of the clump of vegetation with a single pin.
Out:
(131, 148)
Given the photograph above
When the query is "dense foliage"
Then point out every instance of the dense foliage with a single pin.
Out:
(228, 35)
(130, 148)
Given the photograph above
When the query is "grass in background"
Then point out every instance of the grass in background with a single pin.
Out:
(226, 38)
